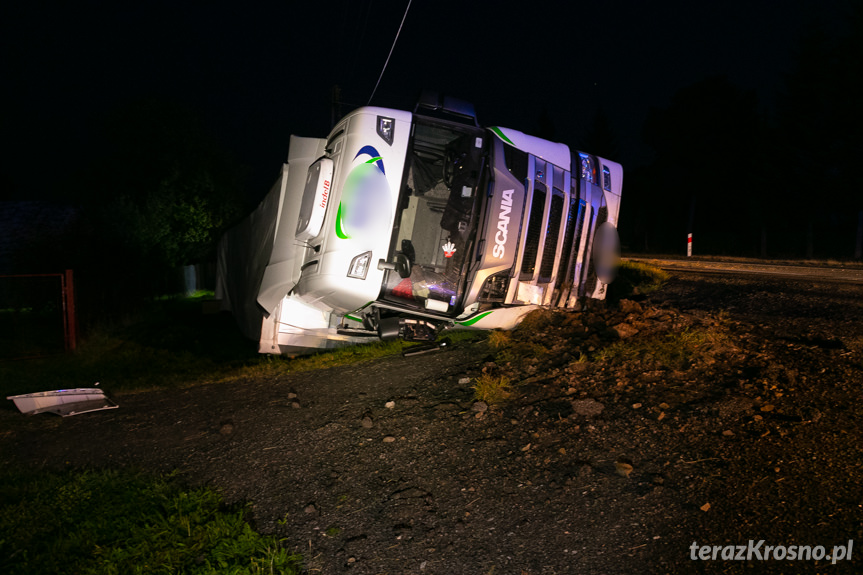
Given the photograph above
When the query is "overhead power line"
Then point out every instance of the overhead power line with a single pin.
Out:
(391, 51)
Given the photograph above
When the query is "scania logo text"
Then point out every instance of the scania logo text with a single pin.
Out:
(502, 224)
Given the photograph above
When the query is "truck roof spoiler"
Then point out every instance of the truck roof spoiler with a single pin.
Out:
(436, 105)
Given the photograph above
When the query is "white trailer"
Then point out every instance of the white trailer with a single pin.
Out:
(403, 224)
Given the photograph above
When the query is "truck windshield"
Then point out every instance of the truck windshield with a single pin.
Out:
(435, 225)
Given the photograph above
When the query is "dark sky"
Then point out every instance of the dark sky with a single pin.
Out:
(257, 72)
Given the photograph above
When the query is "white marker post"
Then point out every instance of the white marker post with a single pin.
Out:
(689, 245)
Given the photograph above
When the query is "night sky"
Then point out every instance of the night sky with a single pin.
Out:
(257, 72)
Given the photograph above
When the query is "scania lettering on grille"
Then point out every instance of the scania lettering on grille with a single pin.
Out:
(502, 224)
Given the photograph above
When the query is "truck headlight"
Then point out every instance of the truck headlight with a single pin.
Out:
(495, 287)
(386, 129)
(360, 266)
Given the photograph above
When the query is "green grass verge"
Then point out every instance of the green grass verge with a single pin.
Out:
(171, 345)
(113, 522)
(175, 345)
(271, 365)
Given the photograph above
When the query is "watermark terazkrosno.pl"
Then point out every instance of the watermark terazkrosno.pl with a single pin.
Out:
(759, 551)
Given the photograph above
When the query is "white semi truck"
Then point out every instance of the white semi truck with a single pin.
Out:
(403, 224)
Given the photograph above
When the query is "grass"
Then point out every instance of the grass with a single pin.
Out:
(30, 332)
(273, 365)
(171, 344)
(635, 278)
(521, 350)
(499, 340)
(674, 350)
(113, 522)
(535, 321)
(492, 389)
(175, 345)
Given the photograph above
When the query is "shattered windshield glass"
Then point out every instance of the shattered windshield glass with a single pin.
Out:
(435, 225)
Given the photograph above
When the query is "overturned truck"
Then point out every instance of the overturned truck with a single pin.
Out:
(405, 224)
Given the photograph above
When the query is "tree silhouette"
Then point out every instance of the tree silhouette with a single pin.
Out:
(158, 196)
(166, 190)
(818, 145)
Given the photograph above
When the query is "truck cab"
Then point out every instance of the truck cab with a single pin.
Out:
(404, 224)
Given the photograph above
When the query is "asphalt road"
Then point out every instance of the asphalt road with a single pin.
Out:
(849, 273)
